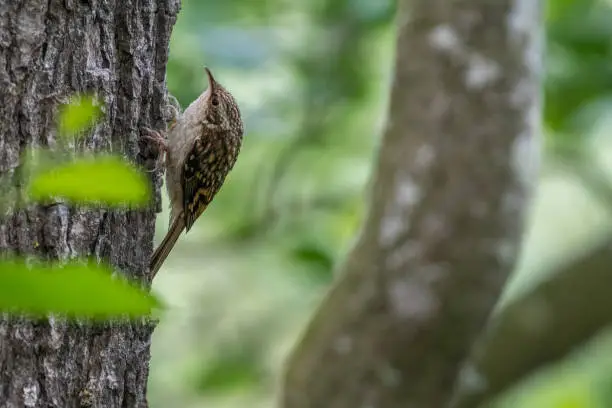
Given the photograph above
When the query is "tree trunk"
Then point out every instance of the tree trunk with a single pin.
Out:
(50, 50)
(453, 181)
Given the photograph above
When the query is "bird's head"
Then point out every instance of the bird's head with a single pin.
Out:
(221, 108)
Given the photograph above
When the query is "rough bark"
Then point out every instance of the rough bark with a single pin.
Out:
(50, 49)
(564, 311)
(452, 183)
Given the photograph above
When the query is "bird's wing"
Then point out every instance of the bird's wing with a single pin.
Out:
(203, 175)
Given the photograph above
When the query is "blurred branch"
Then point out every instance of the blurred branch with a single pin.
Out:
(553, 319)
(446, 217)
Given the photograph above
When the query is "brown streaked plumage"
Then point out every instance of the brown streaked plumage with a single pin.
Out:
(202, 147)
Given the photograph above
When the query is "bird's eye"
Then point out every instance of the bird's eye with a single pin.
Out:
(214, 101)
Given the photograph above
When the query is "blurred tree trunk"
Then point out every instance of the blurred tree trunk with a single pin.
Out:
(48, 51)
(455, 171)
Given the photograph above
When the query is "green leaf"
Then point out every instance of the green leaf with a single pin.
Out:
(78, 115)
(321, 262)
(75, 289)
(230, 371)
(104, 179)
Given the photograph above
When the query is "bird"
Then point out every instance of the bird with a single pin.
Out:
(201, 148)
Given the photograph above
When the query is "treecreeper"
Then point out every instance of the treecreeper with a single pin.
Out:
(200, 149)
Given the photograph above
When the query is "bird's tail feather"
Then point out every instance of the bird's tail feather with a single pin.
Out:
(162, 251)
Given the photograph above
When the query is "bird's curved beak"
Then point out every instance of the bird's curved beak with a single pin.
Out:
(211, 79)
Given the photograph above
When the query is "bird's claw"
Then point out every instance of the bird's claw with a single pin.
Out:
(156, 138)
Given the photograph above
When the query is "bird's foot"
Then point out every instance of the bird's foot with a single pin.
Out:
(155, 146)
(156, 138)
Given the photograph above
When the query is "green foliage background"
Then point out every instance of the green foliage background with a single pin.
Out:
(312, 79)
